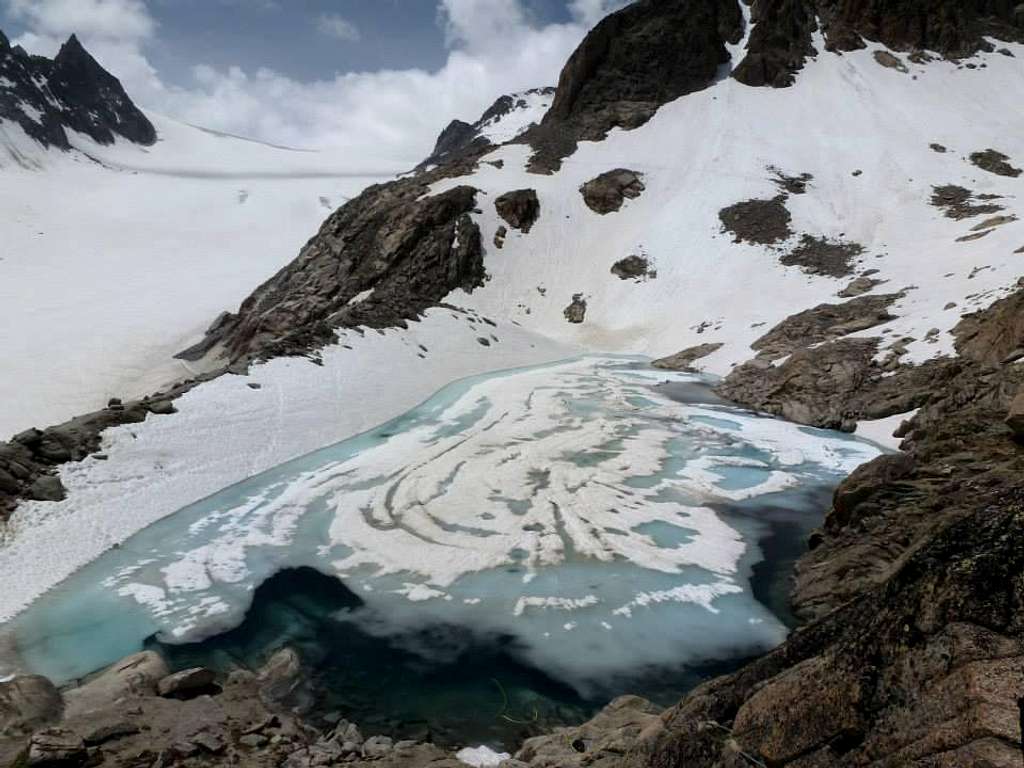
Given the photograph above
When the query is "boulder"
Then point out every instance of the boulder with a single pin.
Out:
(133, 676)
(282, 682)
(520, 209)
(377, 746)
(684, 360)
(633, 268)
(56, 748)
(577, 310)
(1015, 417)
(46, 488)
(28, 702)
(187, 684)
(607, 192)
(601, 741)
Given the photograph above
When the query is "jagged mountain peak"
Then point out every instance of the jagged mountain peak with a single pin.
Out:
(506, 119)
(46, 98)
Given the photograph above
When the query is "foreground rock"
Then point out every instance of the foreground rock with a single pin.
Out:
(133, 715)
(27, 703)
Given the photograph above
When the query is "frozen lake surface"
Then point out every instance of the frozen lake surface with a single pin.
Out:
(533, 540)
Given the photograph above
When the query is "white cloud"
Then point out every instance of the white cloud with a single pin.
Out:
(589, 12)
(333, 25)
(120, 20)
(391, 115)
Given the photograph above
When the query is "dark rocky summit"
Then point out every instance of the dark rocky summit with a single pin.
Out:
(520, 209)
(634, 61)
(73, 92)
(460, 137)
(607, 192)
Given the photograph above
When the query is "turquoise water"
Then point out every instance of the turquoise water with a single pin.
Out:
(566, 530)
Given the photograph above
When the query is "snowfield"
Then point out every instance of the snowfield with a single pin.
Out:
(109, 266)
(227, 431)
(861, 130)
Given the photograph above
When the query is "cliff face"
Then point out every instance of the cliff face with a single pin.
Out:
(378, 261)
(629, 65)
(780, 41)
(46, 98)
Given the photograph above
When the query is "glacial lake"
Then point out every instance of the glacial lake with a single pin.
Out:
(505, 557)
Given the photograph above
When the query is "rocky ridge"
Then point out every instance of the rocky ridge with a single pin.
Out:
(72, 92)
(460, 137)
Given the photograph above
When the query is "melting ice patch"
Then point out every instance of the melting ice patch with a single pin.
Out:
(572, 507)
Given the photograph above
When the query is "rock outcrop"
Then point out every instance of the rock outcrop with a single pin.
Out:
(576, 312)
(634, 61)
(634, 267)
(520, 209)
(29, 460)
(47, 98)
(996, 162)
(607, 192)
(379, 261)
(781, 39)
(684, 360)
(761, 222)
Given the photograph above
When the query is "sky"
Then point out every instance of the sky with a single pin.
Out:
(374, 78)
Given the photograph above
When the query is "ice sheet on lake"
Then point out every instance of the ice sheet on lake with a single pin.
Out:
(569, 506)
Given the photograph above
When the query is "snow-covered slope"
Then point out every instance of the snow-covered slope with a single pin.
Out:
(113, 258)
(862, 131)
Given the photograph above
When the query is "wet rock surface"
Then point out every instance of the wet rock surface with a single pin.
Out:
(47, 98)
(606, 193)
(520, 209)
